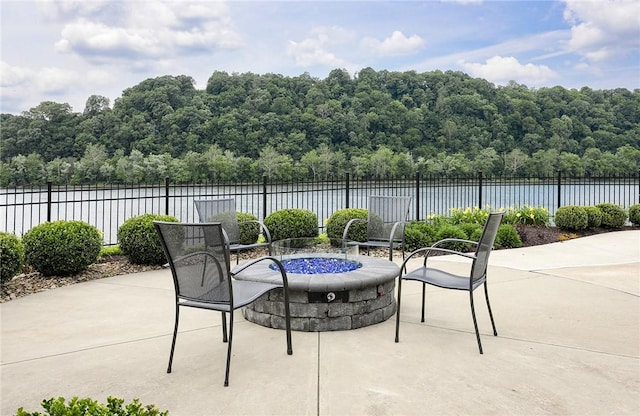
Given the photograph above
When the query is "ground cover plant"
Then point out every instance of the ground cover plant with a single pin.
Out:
(91, 407)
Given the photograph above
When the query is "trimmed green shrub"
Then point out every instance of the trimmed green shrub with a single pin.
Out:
(339, 219)
(470, 229)
(507, 237)
(594, 217)
(613, 216)
(292, 223)
(572, 217)
(452, 231)
(11, 256)
(107, 251)
(634, 214)
(90, 407)
(139, 240)
(419, 234)
(62, 248)
(249, 231)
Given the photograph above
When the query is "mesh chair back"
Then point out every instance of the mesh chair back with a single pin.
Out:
(223, 211)
(485, 245)
(199, 258)
(384, 212)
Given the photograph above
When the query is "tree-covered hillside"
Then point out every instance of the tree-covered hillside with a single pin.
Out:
(377, 123)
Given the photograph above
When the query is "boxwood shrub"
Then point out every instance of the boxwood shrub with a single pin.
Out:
(249, 231)
(292, 223)
(572, 217)
(507, 237)
(634, 214)
(452, 231)
(613, 216)
(11, 256)
(62, 247)
(339, 219)
(139, 240)
(419, 234)
(594, 216)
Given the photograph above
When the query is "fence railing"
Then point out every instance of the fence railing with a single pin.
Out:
(108, 206)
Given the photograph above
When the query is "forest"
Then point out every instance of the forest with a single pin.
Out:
(374, 124)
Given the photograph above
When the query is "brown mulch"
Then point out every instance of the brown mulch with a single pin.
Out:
(33, 282)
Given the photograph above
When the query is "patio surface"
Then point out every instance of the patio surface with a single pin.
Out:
(567, 314)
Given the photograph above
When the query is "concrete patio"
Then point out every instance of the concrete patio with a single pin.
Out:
(567, 314)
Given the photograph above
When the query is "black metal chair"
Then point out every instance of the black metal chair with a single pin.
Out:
(224, 210)
(387, 216)
(447, 280)
(198, 255)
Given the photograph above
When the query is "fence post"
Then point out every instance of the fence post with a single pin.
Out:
(166, 195)
(264, 197)
(559, 187)
(49, 198)
(417, 195)
(480, 189)
(346, 191)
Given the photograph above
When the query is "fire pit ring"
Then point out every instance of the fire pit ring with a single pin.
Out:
(326, 301)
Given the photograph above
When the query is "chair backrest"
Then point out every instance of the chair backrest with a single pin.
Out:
(485, 245)
(384, 212)
(198, 255)
(220, 210)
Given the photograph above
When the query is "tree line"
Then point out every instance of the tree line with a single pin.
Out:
(374, 124)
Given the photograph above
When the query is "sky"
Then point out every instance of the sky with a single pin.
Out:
(65, 51)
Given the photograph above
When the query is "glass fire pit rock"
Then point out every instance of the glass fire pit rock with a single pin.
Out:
(312, 256)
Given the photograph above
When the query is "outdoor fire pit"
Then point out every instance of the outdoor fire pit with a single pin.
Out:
(331, 287)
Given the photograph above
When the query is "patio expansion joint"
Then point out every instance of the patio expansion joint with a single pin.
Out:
(571, 347)
(523, 340)
(98, 347)
(547, 274)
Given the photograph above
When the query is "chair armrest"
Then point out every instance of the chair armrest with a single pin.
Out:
(458, 240)
(346, 228)
(250, 263)
(429, 250)
(393, 231)
(263, 228)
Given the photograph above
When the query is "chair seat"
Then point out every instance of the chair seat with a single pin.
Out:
(244, 293)
(441, 278)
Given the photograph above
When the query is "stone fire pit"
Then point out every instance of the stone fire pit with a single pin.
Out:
(320, 300)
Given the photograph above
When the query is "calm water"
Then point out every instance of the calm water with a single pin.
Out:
(107, 209)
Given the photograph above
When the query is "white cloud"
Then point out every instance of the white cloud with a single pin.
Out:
(18, 82)
(603, 29)
(501, 70)
(396, 44)
(147, 30)
(315, 50)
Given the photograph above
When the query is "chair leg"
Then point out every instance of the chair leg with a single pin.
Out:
(224, 326)
(398, 309)
(424, 297)
(173, 343)
(287, 322)
(475, 322)
(226, 374)
(486, 296)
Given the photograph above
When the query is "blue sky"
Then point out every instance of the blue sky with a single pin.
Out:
(65, 51)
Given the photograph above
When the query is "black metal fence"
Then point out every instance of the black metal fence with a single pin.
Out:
(108, 206)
